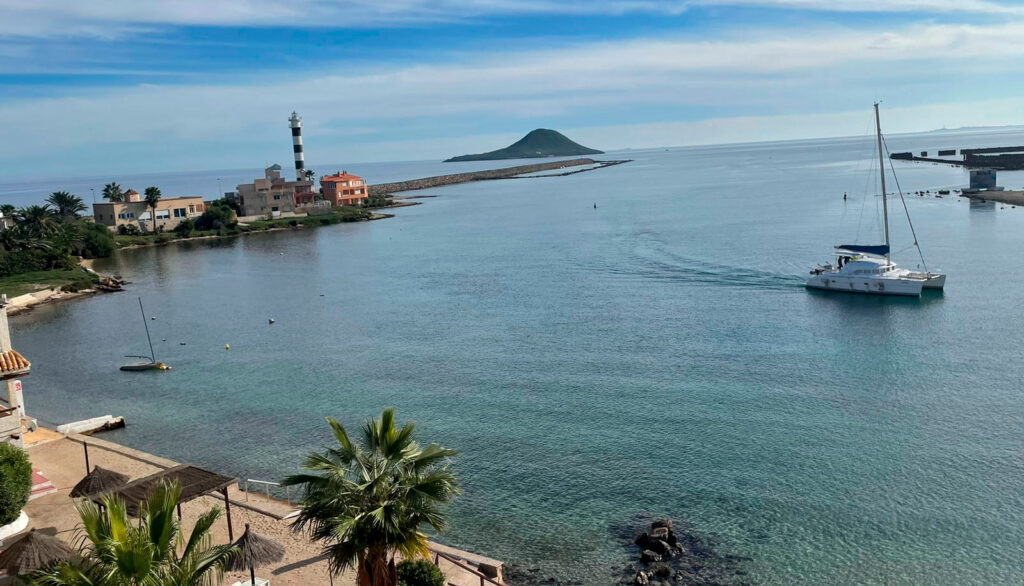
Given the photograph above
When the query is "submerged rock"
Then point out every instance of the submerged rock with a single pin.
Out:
(674, 555)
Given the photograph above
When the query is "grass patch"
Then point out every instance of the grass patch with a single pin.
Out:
(38, 280)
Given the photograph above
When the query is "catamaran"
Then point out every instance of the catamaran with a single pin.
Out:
(861, 268)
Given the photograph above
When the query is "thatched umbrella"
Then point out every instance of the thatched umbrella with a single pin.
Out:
(98, 481)
(253, 551)
(34, 551)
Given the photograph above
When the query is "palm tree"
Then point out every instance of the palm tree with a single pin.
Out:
(310, 174)
(368, 502)
(112, 192)
(67, 205)
(7, 210)
(37, 220)
(152, 199)
(118, 551)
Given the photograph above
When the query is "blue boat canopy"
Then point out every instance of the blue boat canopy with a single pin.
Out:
(878, 250)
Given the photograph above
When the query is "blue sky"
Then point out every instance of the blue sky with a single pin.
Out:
(121, 86)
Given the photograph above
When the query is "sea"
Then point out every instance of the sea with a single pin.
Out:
(601, 348)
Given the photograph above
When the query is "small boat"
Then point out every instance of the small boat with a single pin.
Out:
(869, 269)
(144, 365)
(148, 362)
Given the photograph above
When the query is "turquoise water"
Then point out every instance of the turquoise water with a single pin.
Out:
(658, 354)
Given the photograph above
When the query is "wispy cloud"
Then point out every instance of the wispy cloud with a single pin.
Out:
(777, 72)
(113, 19)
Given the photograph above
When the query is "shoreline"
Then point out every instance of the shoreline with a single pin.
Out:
(52, 295)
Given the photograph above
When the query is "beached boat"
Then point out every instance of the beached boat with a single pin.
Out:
(869, 269)
(148, 362)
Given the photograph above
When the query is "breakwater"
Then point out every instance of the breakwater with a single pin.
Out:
(490, 174)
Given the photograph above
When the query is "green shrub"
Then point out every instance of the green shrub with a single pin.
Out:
(419, 573)
(185, 227)
(79, 283)
(27, 261)
(128, 230)
(97, 241)
(163, 239)
(15, 482)
(215, 217)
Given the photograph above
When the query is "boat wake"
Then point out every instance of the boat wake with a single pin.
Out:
(654, 260)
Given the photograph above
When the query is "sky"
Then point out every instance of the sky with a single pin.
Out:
(130, 86)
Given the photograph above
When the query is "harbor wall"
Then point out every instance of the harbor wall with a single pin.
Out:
(504, 173)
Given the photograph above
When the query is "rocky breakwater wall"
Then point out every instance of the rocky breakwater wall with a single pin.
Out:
(504, 173)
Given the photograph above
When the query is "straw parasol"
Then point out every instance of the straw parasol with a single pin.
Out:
(34, 551)
(98, 481)
(253, 551)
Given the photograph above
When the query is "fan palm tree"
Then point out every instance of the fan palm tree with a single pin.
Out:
(67, 205)
(368, 502)
(38, 220)
(117, 551)
(152, 199)
(7, 210)
(112, 192)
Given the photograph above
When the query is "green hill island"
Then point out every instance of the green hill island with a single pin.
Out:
(537, 144)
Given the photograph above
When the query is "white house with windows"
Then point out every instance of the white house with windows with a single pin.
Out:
(168, 214)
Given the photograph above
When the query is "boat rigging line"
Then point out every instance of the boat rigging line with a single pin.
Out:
(903, 200)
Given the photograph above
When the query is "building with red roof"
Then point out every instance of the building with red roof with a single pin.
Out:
(344, 189)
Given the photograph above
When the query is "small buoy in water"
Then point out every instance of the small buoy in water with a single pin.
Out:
(152, 318)
(164, 340)
(321, 294)
(227, 346)
(271, 320)
(181, 343)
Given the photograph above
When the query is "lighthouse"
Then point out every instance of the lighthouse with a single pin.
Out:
(300, 163)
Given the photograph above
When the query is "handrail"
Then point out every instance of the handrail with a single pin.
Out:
(483, 577)
(266, 485)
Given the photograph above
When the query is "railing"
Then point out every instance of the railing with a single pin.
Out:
(266, 487)
(484, 578)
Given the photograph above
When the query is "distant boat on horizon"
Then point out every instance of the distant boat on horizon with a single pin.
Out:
(869, 269)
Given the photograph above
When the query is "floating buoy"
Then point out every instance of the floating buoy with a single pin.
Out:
(271, 320)
(321, 294)
(152, 318)
(227, 346)
(181, 343)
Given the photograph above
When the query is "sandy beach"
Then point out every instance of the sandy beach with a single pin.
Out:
(61, 459)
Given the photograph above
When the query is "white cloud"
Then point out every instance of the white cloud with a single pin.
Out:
(780, 72)
(117, 18)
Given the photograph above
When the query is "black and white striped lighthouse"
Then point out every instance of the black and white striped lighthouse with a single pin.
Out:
(300, 162)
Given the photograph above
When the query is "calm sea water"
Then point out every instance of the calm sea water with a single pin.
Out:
(658, 354)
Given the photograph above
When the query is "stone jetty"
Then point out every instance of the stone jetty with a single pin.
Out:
(503, 173)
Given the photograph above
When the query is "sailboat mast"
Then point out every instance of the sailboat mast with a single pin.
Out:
(152, 354)
(881, 170)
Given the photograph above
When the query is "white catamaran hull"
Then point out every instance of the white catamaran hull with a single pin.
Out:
(834, 282)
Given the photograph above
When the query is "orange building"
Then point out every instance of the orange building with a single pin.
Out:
(344, 189)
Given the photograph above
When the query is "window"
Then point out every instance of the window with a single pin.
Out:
(180, 213)
(163, 214)
(191, 209)
(274, 209)
(277, 196)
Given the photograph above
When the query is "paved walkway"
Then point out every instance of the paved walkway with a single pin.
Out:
(63, 462)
